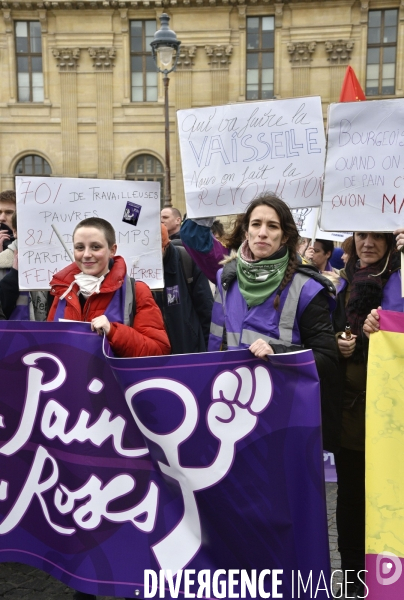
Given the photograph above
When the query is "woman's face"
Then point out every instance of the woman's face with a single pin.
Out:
(370, 247)
(345, 258)
(91, 251)
(264, 233)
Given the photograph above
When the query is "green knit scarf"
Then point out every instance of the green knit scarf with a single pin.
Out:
(259, 279)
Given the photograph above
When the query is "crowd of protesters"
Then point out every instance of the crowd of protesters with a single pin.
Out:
(274, 293)
(266, 270)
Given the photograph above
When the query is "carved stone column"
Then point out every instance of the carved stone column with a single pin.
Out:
(12, 64)
(364, 15)
(339, 54)
(219, 60)
(126, 55)
(183, 77)
(103, 63)
(301, 57)
(43, 19)
(183, 99)
(67, 60)
(242, 31)
(278, 45)
(400, 51)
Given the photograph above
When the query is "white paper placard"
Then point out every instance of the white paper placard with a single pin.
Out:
(64, 202)
(364, 175)
(232, 153)
(333, 236)
(305, 219)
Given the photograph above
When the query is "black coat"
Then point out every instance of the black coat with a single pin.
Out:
(186, 307)
(9, 292)
(317, 334)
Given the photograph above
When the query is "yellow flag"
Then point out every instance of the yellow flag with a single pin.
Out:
(385, 460)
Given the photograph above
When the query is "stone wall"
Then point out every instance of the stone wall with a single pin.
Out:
(87, 125)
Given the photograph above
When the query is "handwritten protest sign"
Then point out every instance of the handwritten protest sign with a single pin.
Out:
(132, 208)
(364, 177)
(305, 219)
(232, 153)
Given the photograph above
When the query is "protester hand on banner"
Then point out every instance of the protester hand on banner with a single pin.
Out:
(15, 260)
(399, 233)
(372, 324)
(101, 325)
(261, 349)
(347, 347)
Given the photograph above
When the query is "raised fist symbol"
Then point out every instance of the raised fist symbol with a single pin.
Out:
(238, 396)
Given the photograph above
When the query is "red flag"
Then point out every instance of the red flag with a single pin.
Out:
(351, 90)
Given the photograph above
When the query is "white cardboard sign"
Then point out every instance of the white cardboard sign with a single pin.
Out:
(232, 153)
(333, 236)
(364, 174)
(132, 208)
(305, 219)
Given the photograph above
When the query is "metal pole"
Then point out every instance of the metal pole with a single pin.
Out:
(167, 179)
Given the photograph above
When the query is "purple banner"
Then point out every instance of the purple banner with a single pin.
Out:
(208, 466)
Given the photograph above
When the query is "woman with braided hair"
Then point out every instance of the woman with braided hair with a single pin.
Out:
(270, 303)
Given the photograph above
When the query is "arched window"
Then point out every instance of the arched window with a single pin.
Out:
(33, 165)
(146, 167)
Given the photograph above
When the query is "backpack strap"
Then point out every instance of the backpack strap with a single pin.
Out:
(186, 264)
(130, 301)
(186, 260)
(313, 273)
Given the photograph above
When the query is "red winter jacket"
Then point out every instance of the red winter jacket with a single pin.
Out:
(147, 337)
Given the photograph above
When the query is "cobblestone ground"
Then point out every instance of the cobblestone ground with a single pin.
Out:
(21, 582)
(331, 491)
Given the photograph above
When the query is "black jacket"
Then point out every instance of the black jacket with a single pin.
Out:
(317, 334)
(9, 292)
(186, 307)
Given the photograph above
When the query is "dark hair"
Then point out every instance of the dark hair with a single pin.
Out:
(8, 196)
(100, 224)
(327, 245)
(236, 236)
(217, 228)
(288, 227)
(14, 221)
(353, 256)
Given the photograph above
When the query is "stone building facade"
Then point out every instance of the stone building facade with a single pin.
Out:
(79, 95)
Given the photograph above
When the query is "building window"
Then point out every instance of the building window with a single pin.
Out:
(260, 58)
(33, 165)
(28, 45)
(146, 167)
(143, 67)
(381, 54)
